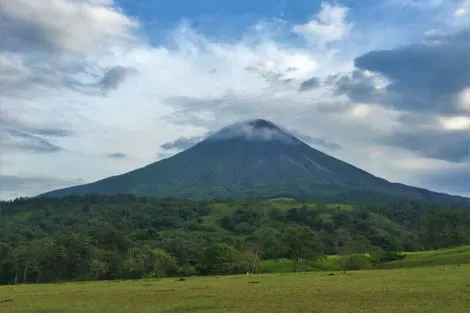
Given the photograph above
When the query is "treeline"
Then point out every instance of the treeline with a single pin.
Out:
(127, 237)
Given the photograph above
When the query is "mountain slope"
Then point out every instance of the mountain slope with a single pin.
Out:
(252, 159)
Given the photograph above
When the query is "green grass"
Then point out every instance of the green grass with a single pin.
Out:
(460, 255)
(423, 290)
(329, 263)
(452, 256)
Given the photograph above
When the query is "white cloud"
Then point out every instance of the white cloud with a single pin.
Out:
(455, 123)
(463, 9)
(195, 86)
(361, 110)
(327, 26)
(464, 100)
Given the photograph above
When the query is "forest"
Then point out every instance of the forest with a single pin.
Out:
(79, 238)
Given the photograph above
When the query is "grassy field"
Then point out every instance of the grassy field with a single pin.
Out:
(428, 290)
(450, 256)
(459, 255)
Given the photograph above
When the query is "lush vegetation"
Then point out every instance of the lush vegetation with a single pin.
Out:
(451, 256)
(430, 290)
(127, 237)
(378, 259)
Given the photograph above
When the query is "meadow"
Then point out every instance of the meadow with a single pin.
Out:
(426, 290)
(446, 256)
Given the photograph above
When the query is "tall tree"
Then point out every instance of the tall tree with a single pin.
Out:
(302, 243)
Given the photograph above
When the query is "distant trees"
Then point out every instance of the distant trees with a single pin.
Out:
(242, 221)
(147, 262)
(127, 237)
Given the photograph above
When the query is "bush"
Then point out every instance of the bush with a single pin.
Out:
(383, 256)
(276, 266)
(187, 271)
(356, 262)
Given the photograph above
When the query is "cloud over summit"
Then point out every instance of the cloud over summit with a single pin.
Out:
(126, 88)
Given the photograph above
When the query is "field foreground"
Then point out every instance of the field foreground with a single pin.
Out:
(431, 289)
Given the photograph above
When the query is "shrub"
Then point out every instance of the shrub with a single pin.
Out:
(187, 270)
(356, 262)
(383, 256)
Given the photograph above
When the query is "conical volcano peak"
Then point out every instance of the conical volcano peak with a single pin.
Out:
(251, 159)
(256, 129)
(260, 124)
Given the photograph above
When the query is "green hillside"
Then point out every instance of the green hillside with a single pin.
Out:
(116, 237)
(451, 256)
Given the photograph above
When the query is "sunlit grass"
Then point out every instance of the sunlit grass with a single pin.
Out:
(459, 255)
(431, 290)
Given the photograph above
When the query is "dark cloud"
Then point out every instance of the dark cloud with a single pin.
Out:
(39, 56)
(453, 146)
(424, 81)
(425, 76)
(29, 27)
(17, 135)
(182, 143)
(441, 66)
(11, 123)
(46, 73)
(357, 86)
(53, 132)
(18, 139)
(309, 84)
(23, 35)
(114, 77)
(116, 155)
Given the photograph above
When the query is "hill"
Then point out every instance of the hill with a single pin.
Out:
(124, 236)
(254, 159)
(449, 256)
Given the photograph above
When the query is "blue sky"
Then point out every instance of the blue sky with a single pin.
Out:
(94, 88)
(232, 19)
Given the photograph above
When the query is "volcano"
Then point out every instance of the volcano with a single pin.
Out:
(253, 159)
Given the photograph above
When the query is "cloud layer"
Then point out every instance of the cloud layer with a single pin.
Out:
(102, 97)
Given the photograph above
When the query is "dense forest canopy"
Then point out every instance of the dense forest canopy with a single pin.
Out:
(126, 237)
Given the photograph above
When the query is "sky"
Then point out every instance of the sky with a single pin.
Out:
(95, 88)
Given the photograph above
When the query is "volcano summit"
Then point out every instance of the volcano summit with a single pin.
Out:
(255, 158)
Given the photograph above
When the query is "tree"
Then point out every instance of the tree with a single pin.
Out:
(356, 262)
(302, 243)
(158, 263)
(98, 270)
(217, 259)
(8, 266)
(55, 263)
(244, 262)
(28, 258)
(265, 243)
(185, 247)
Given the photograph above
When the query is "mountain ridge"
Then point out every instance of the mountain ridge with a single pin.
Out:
(255, 158)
